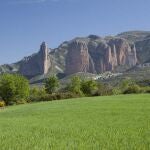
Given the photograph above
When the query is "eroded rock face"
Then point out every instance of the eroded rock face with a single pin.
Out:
(44, 58)
(36, 64)
(101, 56)
(125, 53)
(118, 52)
(78, 58)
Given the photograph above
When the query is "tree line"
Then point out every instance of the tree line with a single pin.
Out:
(15, 89)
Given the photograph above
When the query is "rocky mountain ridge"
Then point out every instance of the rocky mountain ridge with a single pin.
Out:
(92, 54)
(100, 55)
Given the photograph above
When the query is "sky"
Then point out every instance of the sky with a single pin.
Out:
(24, 24)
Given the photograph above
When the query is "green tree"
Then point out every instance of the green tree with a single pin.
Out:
(51, 84)
(13, 88)
(125, 84)
(75, 85)
(88, 87)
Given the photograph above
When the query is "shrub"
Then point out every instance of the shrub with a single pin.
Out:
(13, 88)
(125, 84)
(134, 88)
(38, 98)
(37, 91)
(21, 101)
(88, 87)
(36, 94)
(145, 89)
(75, 86)
(104, 90)
(2, 103)
(54, 96)
(116, 91)
(51, 84)
(67, 95)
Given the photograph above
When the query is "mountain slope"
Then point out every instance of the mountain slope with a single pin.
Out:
(142, 43)
(92, 54)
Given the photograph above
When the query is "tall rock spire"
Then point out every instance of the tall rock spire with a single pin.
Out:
(44, 56)
(36, 64)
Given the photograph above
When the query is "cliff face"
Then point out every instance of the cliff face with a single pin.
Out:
(141, 40)
(36, 64)
(122, 52)
(44, 58)
(78, 58)
(100, 56)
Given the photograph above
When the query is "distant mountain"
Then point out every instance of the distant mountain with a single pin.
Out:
(92, 54)
(134, 36)
(142, 43)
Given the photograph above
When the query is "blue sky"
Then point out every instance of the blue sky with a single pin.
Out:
(24, 24)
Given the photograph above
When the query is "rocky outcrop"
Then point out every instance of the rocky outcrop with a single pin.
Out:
(141, 40)
(36, 64)
(78, 58)
(123, 52)
(44, 58)
(104, 55)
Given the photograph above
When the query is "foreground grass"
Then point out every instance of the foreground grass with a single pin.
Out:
(107, 123)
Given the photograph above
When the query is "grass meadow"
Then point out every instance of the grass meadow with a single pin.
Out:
(98, 123)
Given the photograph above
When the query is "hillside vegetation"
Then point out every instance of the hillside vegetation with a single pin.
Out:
(109, 122)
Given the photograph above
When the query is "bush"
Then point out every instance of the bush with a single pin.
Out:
(36, 94)
(104, 90)
(67, 95)
(36, 91)
(89, 87)
(2, 103)
(75, 86)
(54, 96)
(21, 101)
(134, 88)
(51, 84)
(124, 84)
(13, 88)
(116, 91)
(145, 89)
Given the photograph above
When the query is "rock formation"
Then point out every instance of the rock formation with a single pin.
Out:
(36, 64)
(78, 58)
(124, 53)
(102, 56)
(44, 58)
(92, 54)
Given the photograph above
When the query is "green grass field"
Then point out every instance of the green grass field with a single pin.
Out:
(99, 123)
